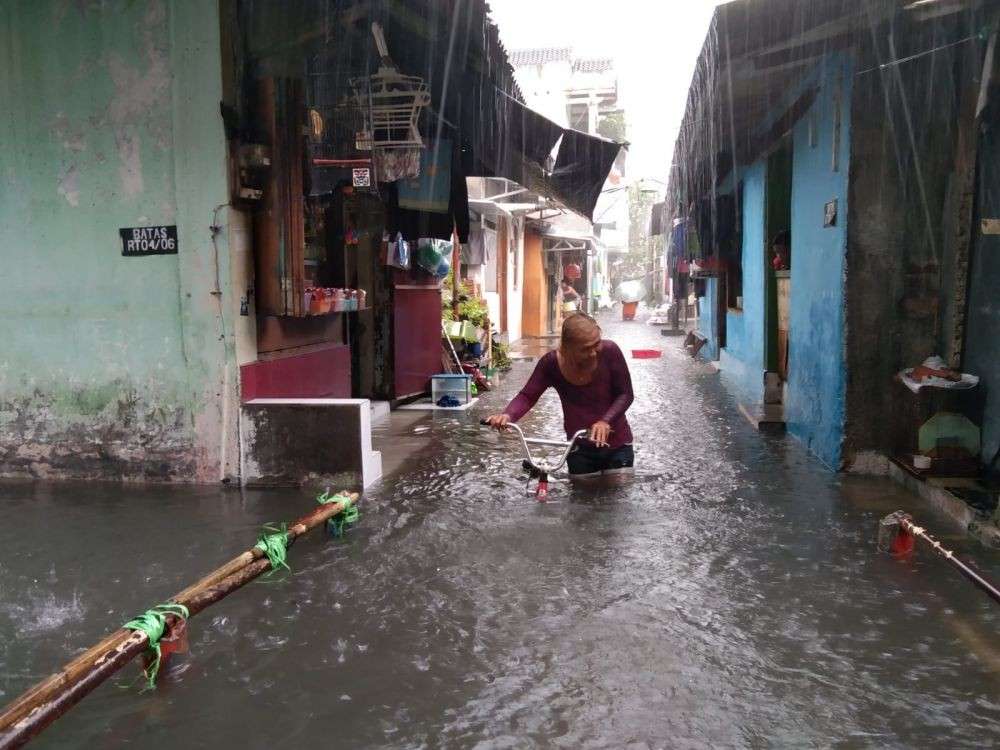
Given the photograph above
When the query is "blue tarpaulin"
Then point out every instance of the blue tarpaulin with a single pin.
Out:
(430, 191)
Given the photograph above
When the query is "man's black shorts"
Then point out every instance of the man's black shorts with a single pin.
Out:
(586, 459)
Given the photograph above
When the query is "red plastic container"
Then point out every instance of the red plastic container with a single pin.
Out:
(628, 310)
(646, 353)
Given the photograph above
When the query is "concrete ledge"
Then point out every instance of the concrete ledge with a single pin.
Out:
(425, 404)
(768, 418)
(952, 506)
(310, 441)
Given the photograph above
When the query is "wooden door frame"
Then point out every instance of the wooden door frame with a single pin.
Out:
(770, 289)
(502, 250)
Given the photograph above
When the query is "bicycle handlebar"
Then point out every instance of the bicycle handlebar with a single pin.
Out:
(548, 468)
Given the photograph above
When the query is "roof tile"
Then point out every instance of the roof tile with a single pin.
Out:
(539, 56)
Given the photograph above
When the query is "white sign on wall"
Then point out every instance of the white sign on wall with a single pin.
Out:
(361, 177)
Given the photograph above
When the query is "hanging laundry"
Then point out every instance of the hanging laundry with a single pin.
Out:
(474, 251)
(397, 163)
(431, 191)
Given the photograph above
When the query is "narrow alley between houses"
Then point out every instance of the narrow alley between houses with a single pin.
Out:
(732, 595)
(499, 374)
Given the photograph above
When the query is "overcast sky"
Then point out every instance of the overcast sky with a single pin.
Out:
(654, 43)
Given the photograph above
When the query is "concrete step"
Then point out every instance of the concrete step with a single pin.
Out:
(380, 411)
(768, 418)
(321, 442)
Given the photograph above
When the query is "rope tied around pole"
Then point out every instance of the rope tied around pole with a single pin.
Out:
(273, 542)
(153, 622)
(348, 515)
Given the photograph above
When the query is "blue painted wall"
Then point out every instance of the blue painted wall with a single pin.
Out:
(814, 397)
(742, 358)
(815, 392)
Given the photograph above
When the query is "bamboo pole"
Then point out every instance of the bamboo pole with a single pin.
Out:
(48, 700)
(907, 524)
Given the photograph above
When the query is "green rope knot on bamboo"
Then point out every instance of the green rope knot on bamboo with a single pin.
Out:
(273, 542)
(153, 622)
(348, 515)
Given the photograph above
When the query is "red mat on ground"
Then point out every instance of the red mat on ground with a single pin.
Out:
(646, 353)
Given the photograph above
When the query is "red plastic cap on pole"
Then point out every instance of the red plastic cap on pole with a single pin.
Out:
(902, 544)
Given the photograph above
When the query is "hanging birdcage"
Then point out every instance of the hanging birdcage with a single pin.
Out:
(392, 101)
(333, 124)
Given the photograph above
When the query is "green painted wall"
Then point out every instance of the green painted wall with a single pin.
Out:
(112, 366)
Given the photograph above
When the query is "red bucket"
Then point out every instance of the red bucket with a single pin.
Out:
(628, 310)
(646, 353)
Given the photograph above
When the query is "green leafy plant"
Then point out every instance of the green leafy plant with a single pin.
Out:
(612, 125)
(475, 311)
(501, 356)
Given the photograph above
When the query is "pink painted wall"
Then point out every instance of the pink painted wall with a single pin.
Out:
(323, 373)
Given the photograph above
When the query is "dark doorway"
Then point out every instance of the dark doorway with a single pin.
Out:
(778, 222)
(982, 330)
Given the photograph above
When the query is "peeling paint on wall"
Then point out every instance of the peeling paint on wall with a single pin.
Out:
(137, 107)
(69, 185)
(124, 435)
(130, 167)
(71, 138)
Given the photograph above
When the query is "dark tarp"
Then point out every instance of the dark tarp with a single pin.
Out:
(582, 166)
(532, 134)
(515, 142)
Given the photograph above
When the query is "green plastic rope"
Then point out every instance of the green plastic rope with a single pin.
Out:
(153, 622)
(273, 542)
(347, 517)
(326, 498)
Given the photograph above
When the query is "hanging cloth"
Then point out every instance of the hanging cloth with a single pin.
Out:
(431, 190)
(397, 163)
(474, 251)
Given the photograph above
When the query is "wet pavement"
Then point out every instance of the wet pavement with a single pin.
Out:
(731, 596)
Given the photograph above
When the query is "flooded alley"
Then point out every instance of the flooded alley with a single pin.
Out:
(731, 596)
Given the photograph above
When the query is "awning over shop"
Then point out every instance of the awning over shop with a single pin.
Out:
(563, 241)
(489, 207)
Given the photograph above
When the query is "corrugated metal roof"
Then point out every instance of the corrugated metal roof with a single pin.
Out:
(539, 56)
(593, 65)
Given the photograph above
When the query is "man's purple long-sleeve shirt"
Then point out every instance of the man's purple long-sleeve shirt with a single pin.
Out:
(604, 398)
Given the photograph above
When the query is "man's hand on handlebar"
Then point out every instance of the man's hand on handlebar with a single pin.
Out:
(498, 422)
(600, 433)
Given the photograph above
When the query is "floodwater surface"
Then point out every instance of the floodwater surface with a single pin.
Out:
(731, 596)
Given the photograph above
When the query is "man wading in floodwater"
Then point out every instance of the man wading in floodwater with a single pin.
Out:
(595, 388)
